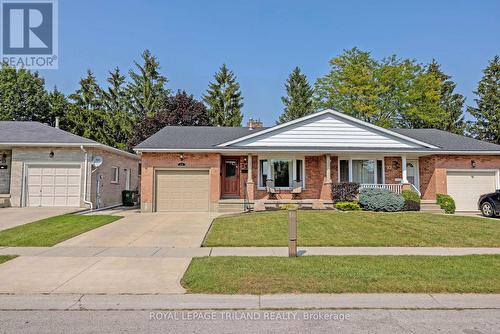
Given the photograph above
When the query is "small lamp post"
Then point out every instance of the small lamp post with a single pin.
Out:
(292, 232)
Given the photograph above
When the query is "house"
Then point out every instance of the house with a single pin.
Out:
(206, 168)
(45, 166)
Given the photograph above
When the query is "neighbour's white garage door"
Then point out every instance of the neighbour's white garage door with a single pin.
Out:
(56, 185)
(465, 187)
(182, 190)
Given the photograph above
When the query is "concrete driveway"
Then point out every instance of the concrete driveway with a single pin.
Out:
(19, 216)
(69, 268)
(176, 229)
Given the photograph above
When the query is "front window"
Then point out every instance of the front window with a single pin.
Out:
(281, 171)
(362, 171)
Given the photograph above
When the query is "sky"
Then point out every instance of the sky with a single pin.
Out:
(262, 41)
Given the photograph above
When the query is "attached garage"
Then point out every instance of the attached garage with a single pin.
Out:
(53, 185)
(465, 187)
(182, 190)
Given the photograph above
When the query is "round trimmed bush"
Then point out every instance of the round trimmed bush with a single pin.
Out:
(375, 199)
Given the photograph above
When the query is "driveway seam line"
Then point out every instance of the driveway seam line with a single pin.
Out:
(78, 274)
(103, 250)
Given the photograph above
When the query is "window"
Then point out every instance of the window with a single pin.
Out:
(115, 174)
(139, 171)
(344, 170)
(282, 171)
(362, 171)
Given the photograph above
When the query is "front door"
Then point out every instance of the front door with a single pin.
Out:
(412, 172)
(230, 177)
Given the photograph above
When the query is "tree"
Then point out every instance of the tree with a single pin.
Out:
(451, 103)
(87, 116)
(115, 101)
(181, 109)
(224, 99)
(487, 112)
(298, 102)
(147, 88)
(23, 96)
(59, 107)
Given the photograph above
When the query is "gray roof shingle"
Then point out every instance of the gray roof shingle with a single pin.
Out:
(12, 132)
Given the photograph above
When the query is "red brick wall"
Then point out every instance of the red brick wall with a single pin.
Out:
(433, 170)
(393, 169)
(150, 161)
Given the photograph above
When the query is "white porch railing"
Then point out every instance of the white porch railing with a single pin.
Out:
(396, 187)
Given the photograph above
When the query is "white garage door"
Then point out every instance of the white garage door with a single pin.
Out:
(182, 190)
(53, 185)
(466, 186)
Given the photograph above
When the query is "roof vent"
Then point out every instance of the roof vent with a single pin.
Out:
(254, 124)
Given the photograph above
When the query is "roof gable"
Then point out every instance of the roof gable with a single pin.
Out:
(328, 129)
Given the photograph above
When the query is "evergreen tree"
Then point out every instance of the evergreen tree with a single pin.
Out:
(451, 103)
(224, 99)
(87, 116)
(147, 88)
(298, 102)
(487, 112)
(23, 96)
(116, 104)
(59, 107)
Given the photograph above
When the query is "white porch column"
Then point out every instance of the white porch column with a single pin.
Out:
(403, 168)
(328, 176)
(250, 169)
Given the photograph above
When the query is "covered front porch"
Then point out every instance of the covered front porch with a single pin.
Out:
(307, 178)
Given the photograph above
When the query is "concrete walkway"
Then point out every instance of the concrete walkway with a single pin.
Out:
(189, 252)
(251, 302)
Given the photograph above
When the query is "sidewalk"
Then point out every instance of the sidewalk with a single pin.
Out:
(180, 252)
(248, 302)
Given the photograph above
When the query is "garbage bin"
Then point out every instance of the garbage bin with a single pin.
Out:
(128, 198)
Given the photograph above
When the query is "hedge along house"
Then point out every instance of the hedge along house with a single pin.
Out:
(45, 166)
(218, 168)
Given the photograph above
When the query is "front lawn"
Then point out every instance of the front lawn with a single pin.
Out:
(327, 228)
(338, 274)
(53, 230)
(5, 258)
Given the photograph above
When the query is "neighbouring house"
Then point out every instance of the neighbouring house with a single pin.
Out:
(45, 166)
(212, 168)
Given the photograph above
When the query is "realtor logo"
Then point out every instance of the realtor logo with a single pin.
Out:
(29, 33)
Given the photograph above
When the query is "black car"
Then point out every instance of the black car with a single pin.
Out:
(489, 204)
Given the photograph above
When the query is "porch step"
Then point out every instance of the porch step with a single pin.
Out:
(231, 205)
(430, 206)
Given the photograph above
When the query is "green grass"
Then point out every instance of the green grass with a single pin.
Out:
(326, 228)
(50, 231)
(338, 274)
(5, 258)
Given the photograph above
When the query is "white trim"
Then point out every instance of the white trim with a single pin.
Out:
(113, 174)
(293, 175)
(331, 112)
(245, 151)
(417, 171)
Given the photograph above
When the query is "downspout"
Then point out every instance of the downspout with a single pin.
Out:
(85, 180)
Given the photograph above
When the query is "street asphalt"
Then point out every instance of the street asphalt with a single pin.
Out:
(282, 321)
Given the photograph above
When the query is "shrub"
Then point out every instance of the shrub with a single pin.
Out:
(412, 200)
(375, 199)
(288, 206)
(446, 202)
(345, 191)
(347, 206)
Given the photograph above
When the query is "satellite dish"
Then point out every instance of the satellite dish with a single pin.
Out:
(97, 161)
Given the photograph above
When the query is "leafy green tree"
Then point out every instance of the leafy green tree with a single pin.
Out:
(23, 96)
(224, 100)
(181, 110)
(298, 102)
(487, 112)
(115, 101)
(147, 87)
(87, 116)
(59, 107)
(451, 103)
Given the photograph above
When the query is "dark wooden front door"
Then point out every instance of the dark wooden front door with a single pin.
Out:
(230, 177)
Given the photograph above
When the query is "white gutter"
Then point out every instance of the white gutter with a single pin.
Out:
(85, 180)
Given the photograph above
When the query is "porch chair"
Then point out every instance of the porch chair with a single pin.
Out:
(296, 189)
(271, 189)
